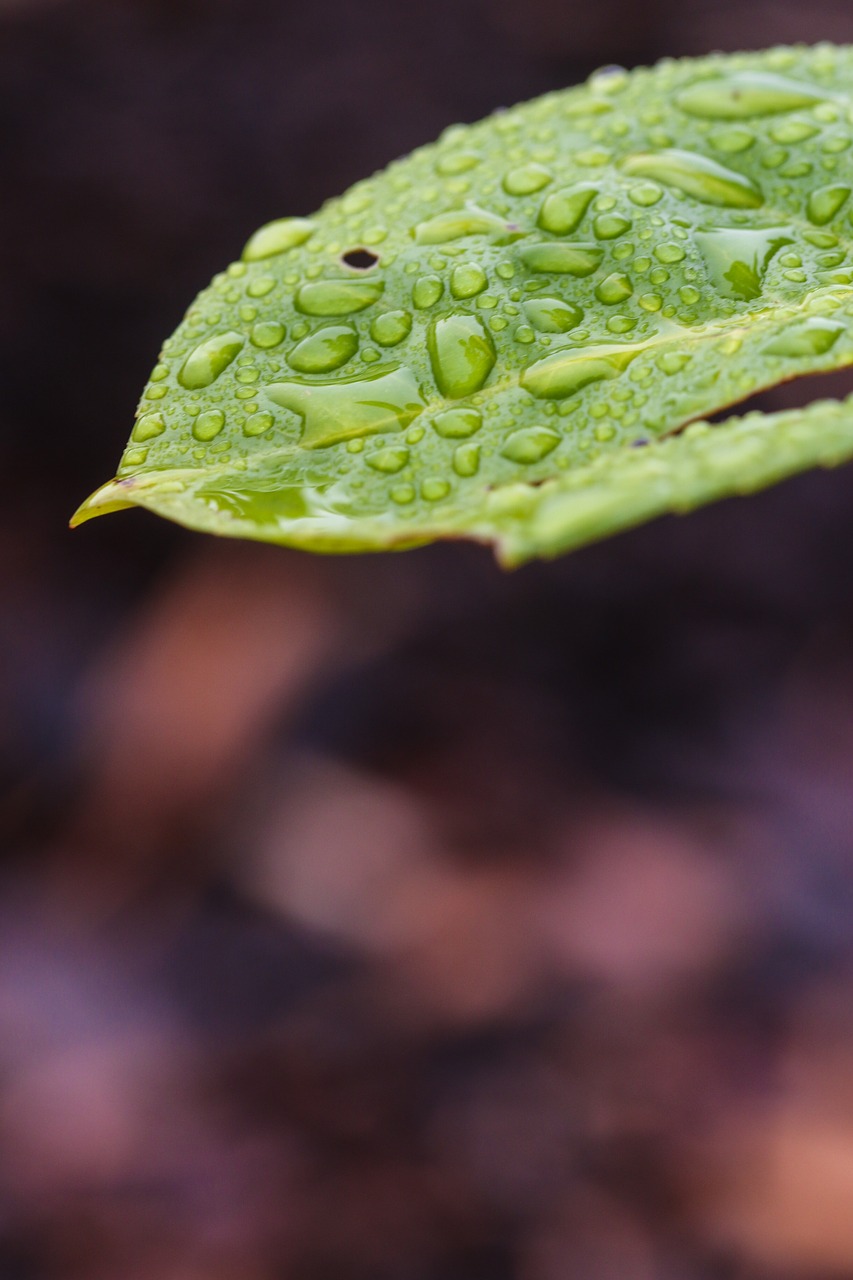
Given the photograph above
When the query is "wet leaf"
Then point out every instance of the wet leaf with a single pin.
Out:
(474, 342)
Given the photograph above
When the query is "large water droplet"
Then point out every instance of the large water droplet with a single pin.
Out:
(388, 461)
(812, 337)
(527, 179)
(267, 334)
(149, 426)
(462, 354)
(387, 399)
(456, 223)
(746, 94)
(737, 260)
(337, 297)
(568, 371)
(276, 237)
(257, 424)
(208, 425)
(325, 350)
(609, 226)
(426, 292)
(457, 424)
(698, 176)
(204, 365)
(391, 327)
(825, 202)
(530, 444)
(466, 459)
(552, 315)
(467, 280)
(562, 211)
(562, 259)
(615, 288)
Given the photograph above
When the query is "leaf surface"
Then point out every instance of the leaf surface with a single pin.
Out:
(502, 336)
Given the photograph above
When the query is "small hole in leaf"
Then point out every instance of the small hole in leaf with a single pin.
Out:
(360, 259)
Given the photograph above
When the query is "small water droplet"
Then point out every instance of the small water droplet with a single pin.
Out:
(467, 280)
(526, 179)
(388, 461)
(325, 350)
(568, 371)
(746, 94)
(276, 237)
(562, 211)
(257, 424)
(455, 162)
(825, 203)
(386, 399)
(530, 444)
(562, 259)
(650, 301)
(552, 315)
(267, 334)
(403, 494)
(391, 327)
(697, 176)
(204, 365)
(608, 226)
(457, 223)
(671, 362)
(149, 426)
(669, 253)
(426, 292)
(457, 424)
(812, 337)
(260, 287)
(466, 459)
(614, 288)
(337, 297)
(645, 194)
(462, 353)
(737, 259)
(732, 141)
(208, 425)
(434, 489)
(791, 132)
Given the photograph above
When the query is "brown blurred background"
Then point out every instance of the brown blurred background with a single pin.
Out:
(390, 918)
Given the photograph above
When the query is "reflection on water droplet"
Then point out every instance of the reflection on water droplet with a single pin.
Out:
(467, 280)
(426, 292)
(204, 365)
(457, 424)
(257, 424)
(745, 94)
(552, 315)
(562, 211)
(812, 337)
(276, 237)
(466, 459)
(388, 461)
(462, 353)
(208, 425)
(391, 328)
(568, 371)
(562, 259)
(337, 297)
(387, 399)
(825, 202)
(698, 176)
(267, 334)
(456, 223)
(530, 444)
(527, 179)
(148, 426)
(325, 350)
(615, 288)
(737, 260)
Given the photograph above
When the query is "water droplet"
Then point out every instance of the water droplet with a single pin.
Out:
(467, 280)
(426, 292)
(645, 194)
(457, 424)
(149, 426)
(403, 494)
(562, 259)
(746, 94)
(388, 461)
(276, 237)
(791, 132)
(671, 362)
(466, 459)
(456, 162)
(609, 225)
(615, 288)
(325, 350)
(267, 334)
(337, 297)
(698, 176)
(462, 353)
(133, 458)
(257, 424)
(434, 489)
(386, 399)
(732, 141)
(208, 425)
(825, 202)
(552, 315)
(562, 211)
(737, 260)
(568, 371)
(391, 328)
(456, 223)
(204, 365)
(812, 337)
(260, 287)
(530, 444)
(527, 179)
(650, 301)
(669, 253)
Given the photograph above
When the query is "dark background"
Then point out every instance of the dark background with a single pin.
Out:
(390, 918)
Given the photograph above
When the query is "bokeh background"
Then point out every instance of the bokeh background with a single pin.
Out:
(390, 918)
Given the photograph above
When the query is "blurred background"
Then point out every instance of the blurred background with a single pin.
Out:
(391, 918)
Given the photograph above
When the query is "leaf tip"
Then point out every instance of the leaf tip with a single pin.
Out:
(111, 496)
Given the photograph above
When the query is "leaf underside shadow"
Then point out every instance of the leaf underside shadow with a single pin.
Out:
(503, 336)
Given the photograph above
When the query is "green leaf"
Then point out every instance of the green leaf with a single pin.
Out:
(473, 342)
